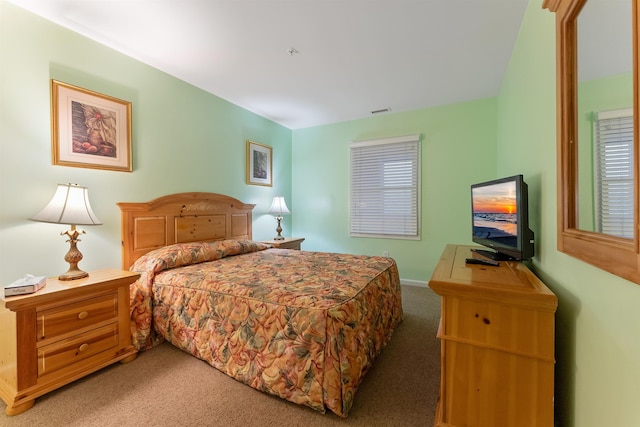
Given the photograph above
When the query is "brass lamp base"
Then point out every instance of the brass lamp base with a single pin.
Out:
(279, 229)
(73, 274)
(73, 257)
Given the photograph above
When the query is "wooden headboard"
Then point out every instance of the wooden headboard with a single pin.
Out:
(181, 218)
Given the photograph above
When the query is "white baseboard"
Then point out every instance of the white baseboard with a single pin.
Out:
(417, 283)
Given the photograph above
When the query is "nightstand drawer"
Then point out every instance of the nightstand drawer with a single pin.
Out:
(72, 317)
(286, 243)
(68, 351)
(290, 245)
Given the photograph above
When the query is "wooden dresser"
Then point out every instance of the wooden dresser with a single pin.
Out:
(497, 344)
(63, 332)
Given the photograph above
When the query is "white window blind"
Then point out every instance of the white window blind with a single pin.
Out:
(385, 176)
(613, 158)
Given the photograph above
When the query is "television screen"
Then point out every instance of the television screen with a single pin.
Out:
(501, 219)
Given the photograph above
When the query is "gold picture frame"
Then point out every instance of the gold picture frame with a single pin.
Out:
(89, 129)
(259, 164)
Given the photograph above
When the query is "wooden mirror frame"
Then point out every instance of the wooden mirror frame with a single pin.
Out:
(614, 254)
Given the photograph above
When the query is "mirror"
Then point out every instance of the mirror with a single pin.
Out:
(585, 87)
(605, 117)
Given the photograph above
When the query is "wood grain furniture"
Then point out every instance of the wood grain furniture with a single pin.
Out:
(303, 326)
(61, 333)
(497, 344)
(287, 243)
(181, 218)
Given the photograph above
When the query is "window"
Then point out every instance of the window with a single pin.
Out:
(385, 174)
(613, 170)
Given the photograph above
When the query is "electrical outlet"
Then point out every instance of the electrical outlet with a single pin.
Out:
(385, 254)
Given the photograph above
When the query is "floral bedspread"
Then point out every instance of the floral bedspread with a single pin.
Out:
(304, 326)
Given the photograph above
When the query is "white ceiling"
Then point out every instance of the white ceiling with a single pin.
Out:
(354, 56)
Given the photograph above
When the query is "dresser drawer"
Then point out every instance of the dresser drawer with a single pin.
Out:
(499, 326)
(72, 317)
(65, 352)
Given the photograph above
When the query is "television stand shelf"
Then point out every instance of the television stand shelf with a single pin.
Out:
(497, 343)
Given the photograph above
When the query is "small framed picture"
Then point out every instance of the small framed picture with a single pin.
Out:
(258, 164)
(89, 129)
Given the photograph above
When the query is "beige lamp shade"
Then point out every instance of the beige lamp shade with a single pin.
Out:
(69, 205)
(279, 207)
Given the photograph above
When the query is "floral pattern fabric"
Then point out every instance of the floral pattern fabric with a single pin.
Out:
(304, 326)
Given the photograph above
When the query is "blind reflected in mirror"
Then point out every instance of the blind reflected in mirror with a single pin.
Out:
(605, 118)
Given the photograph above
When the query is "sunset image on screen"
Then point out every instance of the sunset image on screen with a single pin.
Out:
(494, 211)
(500, 198)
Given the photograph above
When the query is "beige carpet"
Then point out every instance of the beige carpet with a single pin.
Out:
(167, 387)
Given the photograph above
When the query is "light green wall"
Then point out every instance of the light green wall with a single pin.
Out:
(597, 323)
(458, 149)
(184, 139)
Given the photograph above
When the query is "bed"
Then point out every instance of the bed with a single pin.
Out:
(304, 326)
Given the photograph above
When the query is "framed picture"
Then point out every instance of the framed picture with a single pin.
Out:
(258, 164)
(89, 129)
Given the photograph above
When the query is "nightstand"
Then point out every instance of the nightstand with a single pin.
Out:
(63, 332)
(287, 243)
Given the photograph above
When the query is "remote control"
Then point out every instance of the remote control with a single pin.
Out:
(482, 261)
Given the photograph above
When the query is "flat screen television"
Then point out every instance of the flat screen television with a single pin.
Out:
(500, 218)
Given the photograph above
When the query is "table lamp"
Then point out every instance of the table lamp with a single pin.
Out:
(279, 208)
(70, 205)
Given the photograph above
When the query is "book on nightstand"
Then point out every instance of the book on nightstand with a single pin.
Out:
(26, 285)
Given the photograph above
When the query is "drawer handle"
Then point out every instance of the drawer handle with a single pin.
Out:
(83, 347)
(83, 315)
